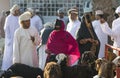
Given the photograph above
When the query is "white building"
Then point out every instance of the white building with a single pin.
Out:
(48, 8)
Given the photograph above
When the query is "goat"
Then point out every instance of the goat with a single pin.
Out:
(52, 70)
(76, 71)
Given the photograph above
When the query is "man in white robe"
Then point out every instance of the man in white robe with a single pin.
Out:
(11, 24)
(115, 31)
(35, 20)
(26, 39)
(100, 34)
(61, 16)
(74, 24)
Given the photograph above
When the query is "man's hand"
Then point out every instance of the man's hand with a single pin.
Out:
(32, 38)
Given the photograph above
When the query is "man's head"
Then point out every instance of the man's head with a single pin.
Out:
(73, 14)
(58, 24)
(31, 11)
(60, 12)
(117, 11)
(24, 20)
(98, 14)
(15, 10)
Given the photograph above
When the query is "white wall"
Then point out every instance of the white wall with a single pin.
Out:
(4, 5)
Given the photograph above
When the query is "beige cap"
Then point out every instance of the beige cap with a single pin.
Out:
(72, 11)
(98, 12)
(30, 10)
(14, 8)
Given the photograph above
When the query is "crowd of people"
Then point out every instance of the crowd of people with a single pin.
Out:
(67, 45)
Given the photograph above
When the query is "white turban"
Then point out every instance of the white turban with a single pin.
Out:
(98, 12)
(25, 16)
(14, 8)
(30, 10)
(117, 10)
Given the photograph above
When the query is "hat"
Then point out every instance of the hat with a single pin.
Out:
(98, 12)
(75, 11)
(86, 10)
(14, 8)
(25, 16)
(61, 10)
(88, 7)
(30, 10)
(117, 10)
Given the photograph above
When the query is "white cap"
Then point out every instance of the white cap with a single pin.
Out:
(30, 10)
(99, 12)
(117, 10)
(61, 10)
(87, 10)
(25, 16)
(14, 8)
(88, 7)
(72, 11)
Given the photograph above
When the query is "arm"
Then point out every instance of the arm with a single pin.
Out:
(106, 29)
(37, 38)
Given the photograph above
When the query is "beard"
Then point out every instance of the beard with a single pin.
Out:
(25, 27)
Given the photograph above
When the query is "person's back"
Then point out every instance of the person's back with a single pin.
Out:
(35, 20)
(11, 24)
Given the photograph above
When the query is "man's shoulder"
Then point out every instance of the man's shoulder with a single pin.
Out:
(116, 20)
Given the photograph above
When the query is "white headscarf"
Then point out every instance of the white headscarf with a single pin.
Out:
(14, 8)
